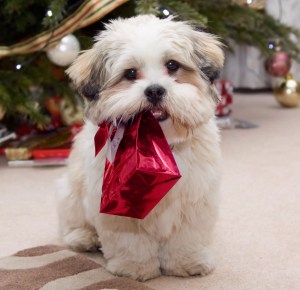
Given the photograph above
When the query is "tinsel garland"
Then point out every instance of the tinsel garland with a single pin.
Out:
(89, 12)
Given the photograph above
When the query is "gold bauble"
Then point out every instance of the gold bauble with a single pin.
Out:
(287, 92)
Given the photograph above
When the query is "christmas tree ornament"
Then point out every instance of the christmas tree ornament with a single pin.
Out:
(65, 52)
(225, 91)
(287, 92)
(164, 12)
(279, 64)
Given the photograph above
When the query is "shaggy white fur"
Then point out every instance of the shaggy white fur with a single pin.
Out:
(175, 237)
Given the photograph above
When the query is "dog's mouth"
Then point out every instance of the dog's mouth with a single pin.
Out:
(159, 114)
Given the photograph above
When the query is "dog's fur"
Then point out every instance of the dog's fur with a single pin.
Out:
(174, 239)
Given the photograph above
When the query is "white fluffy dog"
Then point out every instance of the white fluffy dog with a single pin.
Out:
(166, 66)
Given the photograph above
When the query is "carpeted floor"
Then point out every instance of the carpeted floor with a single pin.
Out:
(53, 267)
(258, 233)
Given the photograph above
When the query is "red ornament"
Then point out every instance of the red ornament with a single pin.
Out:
(140, 168)
(225, 90)
(279, 64)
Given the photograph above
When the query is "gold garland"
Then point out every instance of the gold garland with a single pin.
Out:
(89, 12)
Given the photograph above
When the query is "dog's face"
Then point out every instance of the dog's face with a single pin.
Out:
(144, 63)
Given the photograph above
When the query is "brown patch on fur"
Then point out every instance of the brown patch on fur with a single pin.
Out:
(192, 77)
(92, 112)
(123, 85)
(208, 46)
(205, 91)
(189, 77)
(81, 68)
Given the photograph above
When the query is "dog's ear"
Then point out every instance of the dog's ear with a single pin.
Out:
(87, 73)
(209, 54)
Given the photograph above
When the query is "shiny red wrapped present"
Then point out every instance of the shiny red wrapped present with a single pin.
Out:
(140, 168)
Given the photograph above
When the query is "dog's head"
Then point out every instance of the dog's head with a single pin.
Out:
(145, 63)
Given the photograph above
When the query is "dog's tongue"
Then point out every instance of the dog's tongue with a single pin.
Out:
(159, 114)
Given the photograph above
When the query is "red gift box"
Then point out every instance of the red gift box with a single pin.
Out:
(140, 168)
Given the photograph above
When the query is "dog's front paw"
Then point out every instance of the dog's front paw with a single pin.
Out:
(202, 269)
(135, 270)
(82, 240)
(189, 266)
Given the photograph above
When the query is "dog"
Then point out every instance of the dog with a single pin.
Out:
(167, 67)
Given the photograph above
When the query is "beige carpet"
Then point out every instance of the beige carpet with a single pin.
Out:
(258, 234)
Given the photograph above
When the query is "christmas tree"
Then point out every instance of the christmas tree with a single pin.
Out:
(31, 28)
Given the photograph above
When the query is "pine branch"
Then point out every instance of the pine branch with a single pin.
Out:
(185, 12)
(57, 10)
(247, 26)
(20, 18)
(16, 87)
(146, 7)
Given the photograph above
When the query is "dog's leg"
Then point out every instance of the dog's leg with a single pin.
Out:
(74, 229)
(188, 251)
(129, 251)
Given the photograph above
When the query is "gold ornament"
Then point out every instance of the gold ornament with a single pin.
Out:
(287, 92)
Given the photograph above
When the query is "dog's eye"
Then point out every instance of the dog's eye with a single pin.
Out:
(211, 73)
(172, 65)
(130, 74)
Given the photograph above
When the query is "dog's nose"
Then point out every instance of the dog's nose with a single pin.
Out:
(155, 93)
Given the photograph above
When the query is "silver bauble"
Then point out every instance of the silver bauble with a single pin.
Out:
(65, 52)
